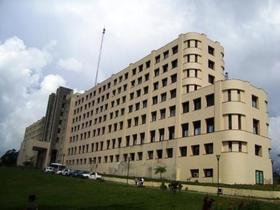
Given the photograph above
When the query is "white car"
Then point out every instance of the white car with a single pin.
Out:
(85, 174)
(94, 176)
(49, 169)
(66, 172)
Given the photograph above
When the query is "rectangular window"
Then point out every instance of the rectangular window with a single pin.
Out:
(195, 150)
(172, 110)
(154, 116)
(159, 154)
(134, 138)
(175, 49)
(137, 106)
(150, 155)
(174, 64)
(146, 90)
(259, 177)
(143, 117)
(173, 93)
(155, 85)
(211, 79)
(254, 101)
(155, 100)
(229, 122)
(163, 97)
(153, 135)
(171, 131)
(132, 156)
(164, 82)
(183, 151)
(208, 172)
(210, 50)
(194, 173)
(156, 71)
(140, 155)
(136, 121)
(197, 103)
(239, 122)
(148, 64)
(185, 130)
(197, 127)
(164, 68)
(127, 141)
(157, 59)
(208, 148)
(256, 126)
(165, 54)
(210, 100)
(162, 114)
(147, 77)
(142, 138)
(130, 108)
(229, 95)
(169, 152)
(258, 150)
(144, 103)
(211, 64)
(173, 78)
(185, 106)
(210, 128)
(161, 134)
(117, 157)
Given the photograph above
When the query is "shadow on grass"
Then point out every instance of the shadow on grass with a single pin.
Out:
(97, 207)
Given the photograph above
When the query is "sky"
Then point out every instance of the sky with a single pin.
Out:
(50, 43)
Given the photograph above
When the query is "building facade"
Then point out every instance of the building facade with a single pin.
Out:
(173, 108)
(43, 141)
(32, 135)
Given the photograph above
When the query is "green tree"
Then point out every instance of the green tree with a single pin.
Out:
(160, 170)
(9, 158)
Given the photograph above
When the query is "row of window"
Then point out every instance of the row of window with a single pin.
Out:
(234, 122)
(163, 97)
(125, 76)
(164, 82)
(151, 154)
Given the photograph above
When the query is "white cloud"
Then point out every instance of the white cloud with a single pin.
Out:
(23, 89)
(70, 64)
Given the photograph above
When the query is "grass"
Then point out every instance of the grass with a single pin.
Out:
(58, 192)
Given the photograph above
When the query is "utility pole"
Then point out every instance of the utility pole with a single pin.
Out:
(99, 56)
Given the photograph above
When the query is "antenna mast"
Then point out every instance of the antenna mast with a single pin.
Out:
(99, 57)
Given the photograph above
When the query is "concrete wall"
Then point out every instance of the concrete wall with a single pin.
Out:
(207, 189)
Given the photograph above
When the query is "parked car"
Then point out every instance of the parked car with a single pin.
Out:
(57, 167)
(85, 174)
(66, 172)
(76, 173)
(49, 169)
(94, 176)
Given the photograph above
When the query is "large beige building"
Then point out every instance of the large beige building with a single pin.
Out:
(173, 108)
(44, 140)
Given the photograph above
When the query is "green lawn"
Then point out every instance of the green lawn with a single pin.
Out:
(58, 192)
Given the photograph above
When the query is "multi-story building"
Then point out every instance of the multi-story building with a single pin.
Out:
(173, 108)
(28, 153)
(44, 140)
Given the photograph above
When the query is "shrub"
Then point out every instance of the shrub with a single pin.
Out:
(175, 186)
(163, 186)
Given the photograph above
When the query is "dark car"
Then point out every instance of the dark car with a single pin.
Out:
(76, 173)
